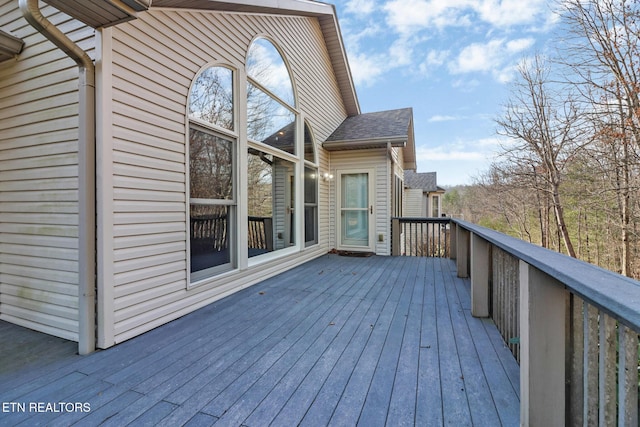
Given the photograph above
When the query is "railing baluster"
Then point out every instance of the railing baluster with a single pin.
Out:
(590, 406)
(575, 361)
(627, 377)
(607, 370)
(425, 237)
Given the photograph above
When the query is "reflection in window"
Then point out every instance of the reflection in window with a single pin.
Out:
(398, 189)
(354, 214)
(211, 190)
(211, 97)
(211, 174)
(268, 121)
(271, 202)
(310, 206)
(309, 149)
(270, 118)
(210, 232)
(310, 190)
(266, 67)
(210, 166)
(435, 206)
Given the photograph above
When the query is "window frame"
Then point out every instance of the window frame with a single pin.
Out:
(232, 135)
(313, 166)
(297, 158)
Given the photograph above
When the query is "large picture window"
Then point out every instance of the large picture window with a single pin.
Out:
(272, 149)
(280, 167)
(212, 193)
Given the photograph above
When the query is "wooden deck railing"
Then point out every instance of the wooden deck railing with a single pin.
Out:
(573, 327)
(209, 233)
(261, 233)
(420, 237)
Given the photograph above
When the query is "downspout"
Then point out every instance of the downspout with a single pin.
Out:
(86, 171)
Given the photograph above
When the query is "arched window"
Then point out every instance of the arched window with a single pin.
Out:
(272, 150)
(212, 193)
(271, 112)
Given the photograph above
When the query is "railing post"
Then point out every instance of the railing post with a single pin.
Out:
(462, 252)
(395, 237)
(542, 341)
(453, 235)
(479, 276)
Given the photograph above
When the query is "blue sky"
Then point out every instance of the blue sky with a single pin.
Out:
(452, 61)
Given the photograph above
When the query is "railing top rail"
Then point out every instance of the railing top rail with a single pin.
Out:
(436, 220)
(613, 293)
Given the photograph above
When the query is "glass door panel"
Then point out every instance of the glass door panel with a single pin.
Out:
(354, 211)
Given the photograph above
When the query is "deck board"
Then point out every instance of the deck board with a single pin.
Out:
(336, 341)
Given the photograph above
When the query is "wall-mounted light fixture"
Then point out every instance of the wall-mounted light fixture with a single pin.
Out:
(327, 176)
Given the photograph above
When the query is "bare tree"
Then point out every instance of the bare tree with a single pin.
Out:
(603, 52)
(542, 123)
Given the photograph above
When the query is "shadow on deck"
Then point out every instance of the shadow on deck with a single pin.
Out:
(336, 341)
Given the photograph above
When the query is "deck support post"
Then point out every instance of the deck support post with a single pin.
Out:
(462, 252)
(480, 250)
(453, 235)
(542, 343)
(395, 237)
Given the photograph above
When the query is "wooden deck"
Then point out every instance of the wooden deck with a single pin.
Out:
(337, 341)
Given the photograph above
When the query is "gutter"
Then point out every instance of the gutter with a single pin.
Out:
(355, 144)
(86, 171)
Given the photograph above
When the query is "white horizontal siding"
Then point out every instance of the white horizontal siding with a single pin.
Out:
(153, 61)
(413, 204)
(39, 177)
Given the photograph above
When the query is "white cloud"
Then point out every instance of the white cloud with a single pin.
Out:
(478, 57)
(441, 118)
(497, 57)
(433, 60)
(518, 45)
(465, 84)
(408, 16)
(366, 69)
(401, 51)
(360, 7)
(507, 13)
(426, 154)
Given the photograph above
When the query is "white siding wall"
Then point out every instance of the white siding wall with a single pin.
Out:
(39, 177)
(415, 203)
(154, 61)
(366, 159)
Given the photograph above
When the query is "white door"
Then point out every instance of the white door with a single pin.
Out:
(355, 210)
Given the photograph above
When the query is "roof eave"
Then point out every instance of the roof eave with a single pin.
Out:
(101, 13)
(10, 46)
(410, 150)
(105, 13)
(362, 144)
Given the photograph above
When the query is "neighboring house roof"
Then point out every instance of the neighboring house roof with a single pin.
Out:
(425, 181)
(104, 13)
(376, 130)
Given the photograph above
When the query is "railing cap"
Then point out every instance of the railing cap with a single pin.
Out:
(618, 295)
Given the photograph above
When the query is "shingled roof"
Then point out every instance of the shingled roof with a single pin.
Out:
(389, 125)
(425, 181)
(376, 130)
